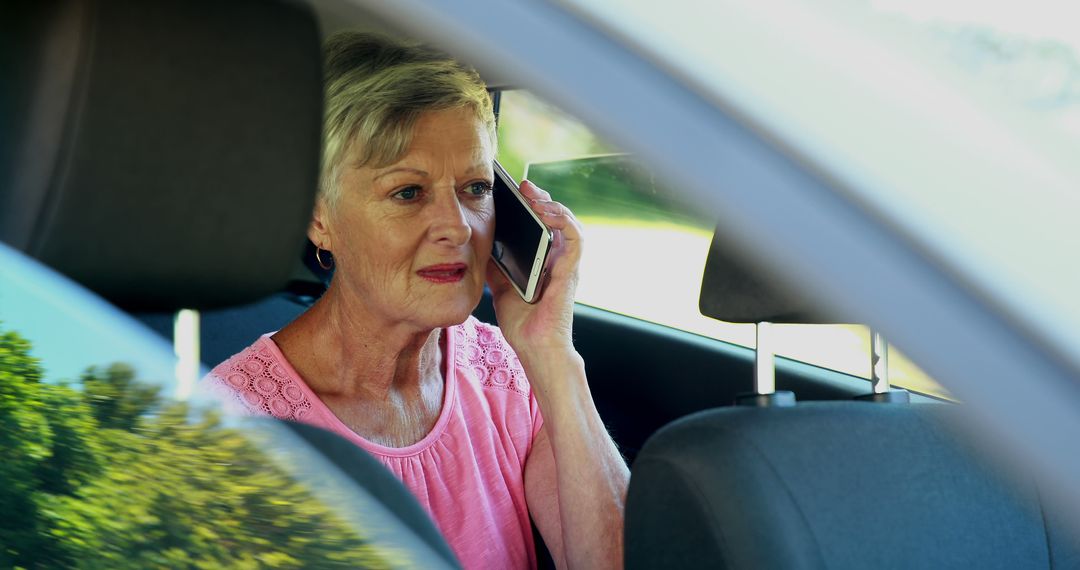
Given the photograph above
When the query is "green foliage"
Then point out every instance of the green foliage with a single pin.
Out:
(614, 187)
(117, 400)
(25, 439)
(531, 131)
(74, 450)
(113, 476)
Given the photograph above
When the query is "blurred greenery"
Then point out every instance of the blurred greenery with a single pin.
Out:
(592, 178)
(614, 187)
(532, 131)
(108, 474)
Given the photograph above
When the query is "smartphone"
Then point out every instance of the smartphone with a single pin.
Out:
(522, 241)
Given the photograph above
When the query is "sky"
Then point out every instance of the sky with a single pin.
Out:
(71, 329)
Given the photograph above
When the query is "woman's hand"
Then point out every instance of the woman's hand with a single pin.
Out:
(545, 326)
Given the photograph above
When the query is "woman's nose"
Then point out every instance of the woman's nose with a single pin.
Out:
(450, 224)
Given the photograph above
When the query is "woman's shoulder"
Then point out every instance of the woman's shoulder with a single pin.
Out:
(261, 381)
(484, 355)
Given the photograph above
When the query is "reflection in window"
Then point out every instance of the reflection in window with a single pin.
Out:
(105, 472)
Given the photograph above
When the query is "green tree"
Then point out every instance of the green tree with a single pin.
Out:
(25, 440)
(48, 439)
(190, 493)
(74, 450)
(107, 474)
(116, 398)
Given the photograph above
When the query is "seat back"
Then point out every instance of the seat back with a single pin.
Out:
(830, 485)
(162, 154)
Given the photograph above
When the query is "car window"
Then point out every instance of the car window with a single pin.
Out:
(955, 122)
(107, 464)
(645, 252)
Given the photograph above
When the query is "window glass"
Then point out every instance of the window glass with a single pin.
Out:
(104, 466)
(956, 122)
(645, 252)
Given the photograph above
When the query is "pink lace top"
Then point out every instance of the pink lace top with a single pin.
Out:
(467, 472)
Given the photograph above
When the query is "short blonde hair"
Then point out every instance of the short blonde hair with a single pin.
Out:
(376, 88)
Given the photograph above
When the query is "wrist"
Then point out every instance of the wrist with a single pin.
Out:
(546, 359)
(558, 380)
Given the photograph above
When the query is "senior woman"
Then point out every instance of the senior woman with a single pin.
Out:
(486, 426)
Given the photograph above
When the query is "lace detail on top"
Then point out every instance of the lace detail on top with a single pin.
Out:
(483, 350)
(261, 384)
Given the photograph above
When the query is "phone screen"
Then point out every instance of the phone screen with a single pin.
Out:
(520, 238)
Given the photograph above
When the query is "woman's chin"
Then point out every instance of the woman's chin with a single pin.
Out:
(444, 318)
(450, 312)
(443, 305)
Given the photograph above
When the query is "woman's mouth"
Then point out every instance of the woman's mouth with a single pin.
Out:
(444, 273)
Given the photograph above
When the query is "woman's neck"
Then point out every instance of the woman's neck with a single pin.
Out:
(343, 350)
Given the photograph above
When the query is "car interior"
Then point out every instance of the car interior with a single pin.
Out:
(190, 163)
(164, 155)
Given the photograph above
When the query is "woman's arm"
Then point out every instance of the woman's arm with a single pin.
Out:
(575, 479)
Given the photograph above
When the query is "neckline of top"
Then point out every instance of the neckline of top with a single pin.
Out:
(449, 398)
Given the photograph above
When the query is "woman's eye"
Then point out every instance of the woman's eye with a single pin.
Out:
(479, 188)
(409, 193)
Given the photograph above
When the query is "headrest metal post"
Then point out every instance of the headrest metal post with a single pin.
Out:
(765, 361)
(765, 394)
(186, 346)
(879, 362)
(881, 391)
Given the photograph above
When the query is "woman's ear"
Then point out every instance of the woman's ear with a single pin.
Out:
(319, 228)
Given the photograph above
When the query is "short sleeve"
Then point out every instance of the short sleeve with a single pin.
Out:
(256, 381)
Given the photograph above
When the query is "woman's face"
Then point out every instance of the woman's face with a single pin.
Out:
(411, 240)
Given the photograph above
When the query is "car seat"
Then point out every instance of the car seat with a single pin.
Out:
(847, 484)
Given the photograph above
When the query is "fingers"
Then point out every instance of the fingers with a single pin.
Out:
(559, 218)
(557, 214)
(554, 214)
(567, 229)
(532, 191)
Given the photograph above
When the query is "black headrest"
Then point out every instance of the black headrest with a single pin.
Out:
(735, 290)
(163, 154)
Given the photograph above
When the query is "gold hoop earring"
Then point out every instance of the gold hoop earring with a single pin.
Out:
(318, 259)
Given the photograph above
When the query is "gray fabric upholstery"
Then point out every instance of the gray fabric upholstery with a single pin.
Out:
(226, 331)
(163, 154)
(736, 291)
(830, 485)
